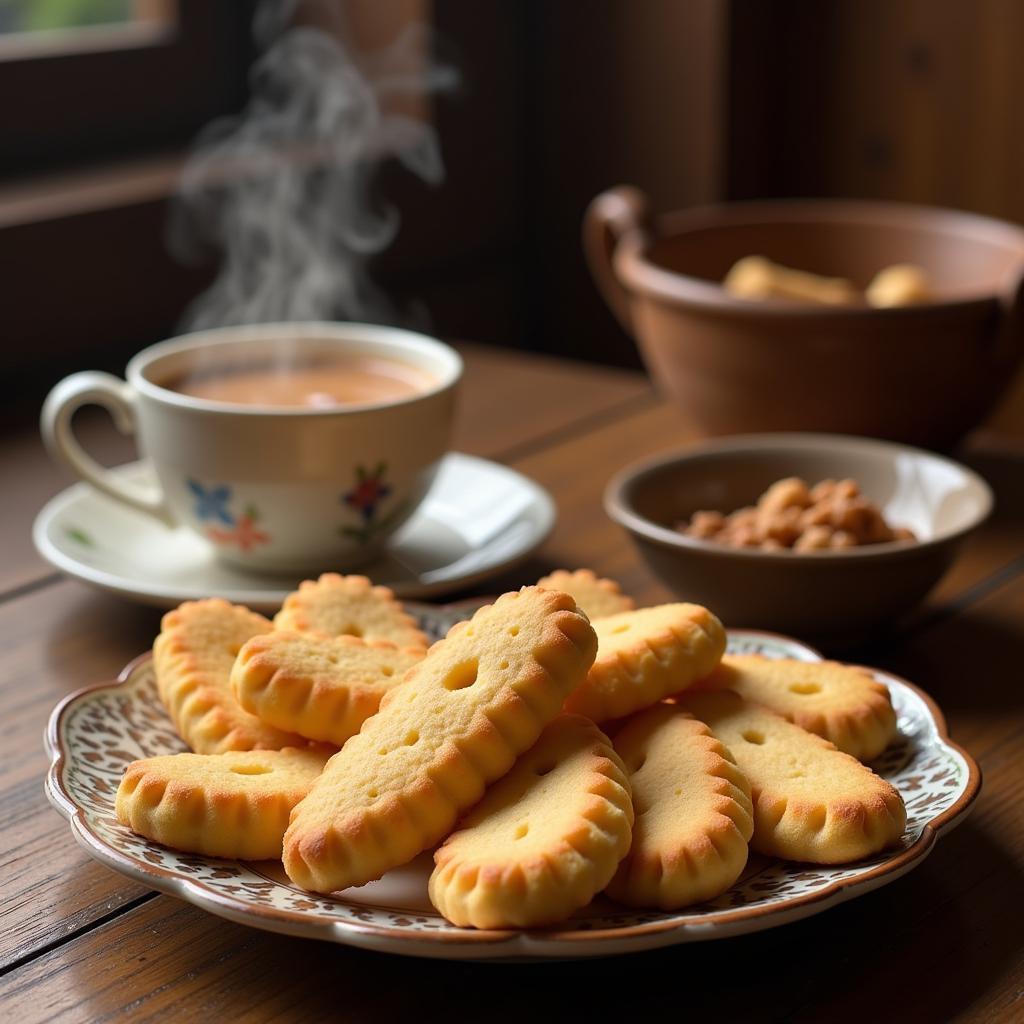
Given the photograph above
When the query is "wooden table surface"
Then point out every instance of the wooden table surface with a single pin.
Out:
(79, 942)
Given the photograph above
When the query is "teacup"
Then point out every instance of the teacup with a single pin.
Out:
(272, 488)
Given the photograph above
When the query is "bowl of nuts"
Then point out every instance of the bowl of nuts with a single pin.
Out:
(823, 535)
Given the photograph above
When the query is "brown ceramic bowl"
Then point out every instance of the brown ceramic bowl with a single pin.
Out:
(921, 374)
(831, 597)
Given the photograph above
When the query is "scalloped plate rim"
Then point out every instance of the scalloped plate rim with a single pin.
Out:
(511, 945)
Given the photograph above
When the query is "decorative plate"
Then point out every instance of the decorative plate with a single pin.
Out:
(94, 733)
(479, 519)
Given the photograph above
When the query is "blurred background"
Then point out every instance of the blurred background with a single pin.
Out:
(427, 162)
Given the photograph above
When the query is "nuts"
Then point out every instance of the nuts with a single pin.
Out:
(831, 515)
(815, 538)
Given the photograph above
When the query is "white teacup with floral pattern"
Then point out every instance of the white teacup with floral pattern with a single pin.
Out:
(278, 489)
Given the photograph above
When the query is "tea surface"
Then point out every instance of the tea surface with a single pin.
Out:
(337, 381)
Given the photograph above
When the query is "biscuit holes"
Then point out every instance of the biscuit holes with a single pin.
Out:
(503, 666)
(804, 688)
(753, 736)
(521, 830)
(383, 751)
(513, 631)
(373, 793)
(461, 676)
(251, 769)
(620, 629)
(388, 671)
(679, 792)
(797, 774)
(351, 631)
(412, 737)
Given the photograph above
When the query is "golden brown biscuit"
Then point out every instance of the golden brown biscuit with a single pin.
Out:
(544, 840)
(320, 687)
(755, 277)
(812, 802)
(349, 606)
(192, 658)
(645, 655)
(458, 721)
(843, 703)
(220, 805)
(903, 284)
(595, 597)
(693, 812)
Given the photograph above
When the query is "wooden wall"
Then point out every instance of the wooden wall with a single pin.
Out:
(917, 100)
(693, 100)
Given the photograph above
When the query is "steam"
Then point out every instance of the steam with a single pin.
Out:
(284, 188)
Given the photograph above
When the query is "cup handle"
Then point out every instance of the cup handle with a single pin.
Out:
(609, 216)
(93, 388)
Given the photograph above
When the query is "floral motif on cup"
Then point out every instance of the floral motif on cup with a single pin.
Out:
(245, 535)
(212, 503)
(366, 495)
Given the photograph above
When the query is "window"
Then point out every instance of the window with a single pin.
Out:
(84, 79)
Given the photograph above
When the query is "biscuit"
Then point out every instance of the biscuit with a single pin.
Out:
(595, 597)
(903, 284)
(645, 655)
(812, 802)
(755, 277)
(477, 700)
(322, 688)
(349, 606)
(220, 805)
(693, 812)
(192, 658)
(544, 840)
(843, 703)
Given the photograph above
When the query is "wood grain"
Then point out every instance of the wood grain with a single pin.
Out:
(948, 951)
(941, 944)
(915, 100)
(954, 921)
(55, 640)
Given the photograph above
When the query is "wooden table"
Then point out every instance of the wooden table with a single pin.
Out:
(79, 942)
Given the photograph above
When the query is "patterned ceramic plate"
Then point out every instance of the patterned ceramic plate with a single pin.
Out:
(94, 733)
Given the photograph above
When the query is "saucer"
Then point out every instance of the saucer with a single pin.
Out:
(479, 519)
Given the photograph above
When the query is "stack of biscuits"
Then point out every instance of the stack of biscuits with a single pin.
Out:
(559, 744)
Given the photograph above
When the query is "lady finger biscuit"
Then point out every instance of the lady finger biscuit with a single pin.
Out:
(219, 805)
(349, 606)
(693, 812)
(812, 802)
(544, 839)
(193, 656)
(645, 655)
(596, 597)
(320, 687)
(459, 720)
(843, 703)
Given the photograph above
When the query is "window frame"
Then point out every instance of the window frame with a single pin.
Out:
(140, 91)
